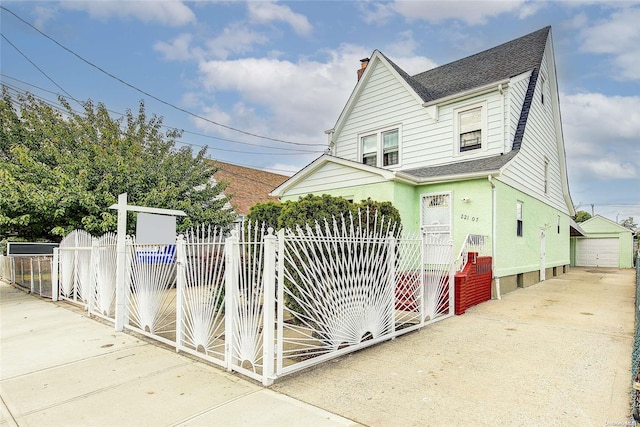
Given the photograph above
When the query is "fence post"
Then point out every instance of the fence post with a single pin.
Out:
(452, 280)
(121, 263)
(94, 258)
(232, 256)
(54, 274)
(181, 278)
(280, 302)
(269, 307)
(392, 242)
(422, 271)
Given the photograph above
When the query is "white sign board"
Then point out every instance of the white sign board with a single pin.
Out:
(154, 229)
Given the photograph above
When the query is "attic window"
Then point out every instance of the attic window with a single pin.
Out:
(544, 87)
(369, 150)
(381, 148)
(470, 128)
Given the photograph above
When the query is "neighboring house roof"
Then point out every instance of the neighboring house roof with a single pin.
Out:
(247, 186)
(575, 230)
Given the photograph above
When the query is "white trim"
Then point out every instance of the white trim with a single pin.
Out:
(471, 93)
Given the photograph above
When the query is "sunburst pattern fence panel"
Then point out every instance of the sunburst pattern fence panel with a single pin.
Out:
(104, 269)
(344, 285)
(245, 300)
(201, 294)
(152, 297)
(75, 267)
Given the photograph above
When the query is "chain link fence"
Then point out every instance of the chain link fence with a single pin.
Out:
(30, 272)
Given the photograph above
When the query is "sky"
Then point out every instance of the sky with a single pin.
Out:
(259, 82)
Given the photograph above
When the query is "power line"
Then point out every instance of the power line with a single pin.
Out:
(38, 68)
(149, 94)
(58, 107)
(298, 151)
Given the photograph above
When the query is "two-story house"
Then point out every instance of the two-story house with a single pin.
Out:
(471, 147)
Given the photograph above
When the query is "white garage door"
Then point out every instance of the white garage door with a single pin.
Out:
(597, 253)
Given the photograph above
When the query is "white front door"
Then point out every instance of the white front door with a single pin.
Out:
(436, 217)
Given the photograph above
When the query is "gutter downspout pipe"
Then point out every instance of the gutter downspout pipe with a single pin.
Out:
(494, 226)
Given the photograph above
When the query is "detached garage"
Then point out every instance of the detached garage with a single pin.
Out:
(604, 244)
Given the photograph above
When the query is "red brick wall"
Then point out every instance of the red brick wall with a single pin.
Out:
(473, 284)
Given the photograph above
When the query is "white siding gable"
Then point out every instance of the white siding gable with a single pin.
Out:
(385, 101)
(540, 145)
(331, 176)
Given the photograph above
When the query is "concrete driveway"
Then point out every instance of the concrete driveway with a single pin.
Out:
(557, 353)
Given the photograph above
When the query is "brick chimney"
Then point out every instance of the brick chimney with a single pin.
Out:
(363, 65)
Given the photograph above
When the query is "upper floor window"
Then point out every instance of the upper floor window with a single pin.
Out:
(470, 128)
(381, 148)
(544, 88)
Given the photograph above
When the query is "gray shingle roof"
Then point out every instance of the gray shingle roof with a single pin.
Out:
(498, 63)
(488, 164)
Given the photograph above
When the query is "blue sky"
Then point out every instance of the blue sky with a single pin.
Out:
(281, 72)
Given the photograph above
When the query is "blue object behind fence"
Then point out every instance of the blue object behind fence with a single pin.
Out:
(162, 256)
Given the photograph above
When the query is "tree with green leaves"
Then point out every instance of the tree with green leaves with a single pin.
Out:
(629, 223)
(582, 216)
(61, 170)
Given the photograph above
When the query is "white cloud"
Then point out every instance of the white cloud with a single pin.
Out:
(472, 12)
(168, 12)
(296, 101)
(236, 38)
(179, 49)
(618, 36)
(601, 135)
(266, 12)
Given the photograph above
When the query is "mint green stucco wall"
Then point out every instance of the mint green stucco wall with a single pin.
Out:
(514, 254)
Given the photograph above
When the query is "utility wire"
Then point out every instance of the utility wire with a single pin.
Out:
(297, 151)
(39, 69)
(58, 107)
(149, 94)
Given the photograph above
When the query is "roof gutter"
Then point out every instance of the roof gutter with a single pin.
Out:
(496, 86)
(445, 178)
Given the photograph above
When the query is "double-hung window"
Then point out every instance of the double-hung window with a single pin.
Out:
(470, 128)
(381, 148)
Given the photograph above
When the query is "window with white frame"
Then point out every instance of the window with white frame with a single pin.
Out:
(381, 148)
(519, 206)
(470, 128)
(558, 224)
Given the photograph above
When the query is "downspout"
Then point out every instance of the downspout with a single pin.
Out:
(494, 226)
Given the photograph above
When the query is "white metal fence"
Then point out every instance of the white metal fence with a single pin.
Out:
(261, 303)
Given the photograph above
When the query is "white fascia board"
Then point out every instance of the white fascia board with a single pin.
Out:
(491, 87)
(447, 178)
(321, 161)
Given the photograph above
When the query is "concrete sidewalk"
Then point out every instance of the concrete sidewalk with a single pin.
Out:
(60, 368)
(557, 353)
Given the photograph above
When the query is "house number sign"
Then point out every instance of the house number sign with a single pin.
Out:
(471, 218)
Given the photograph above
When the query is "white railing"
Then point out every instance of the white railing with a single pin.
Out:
(267, 304)
(474, 244)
